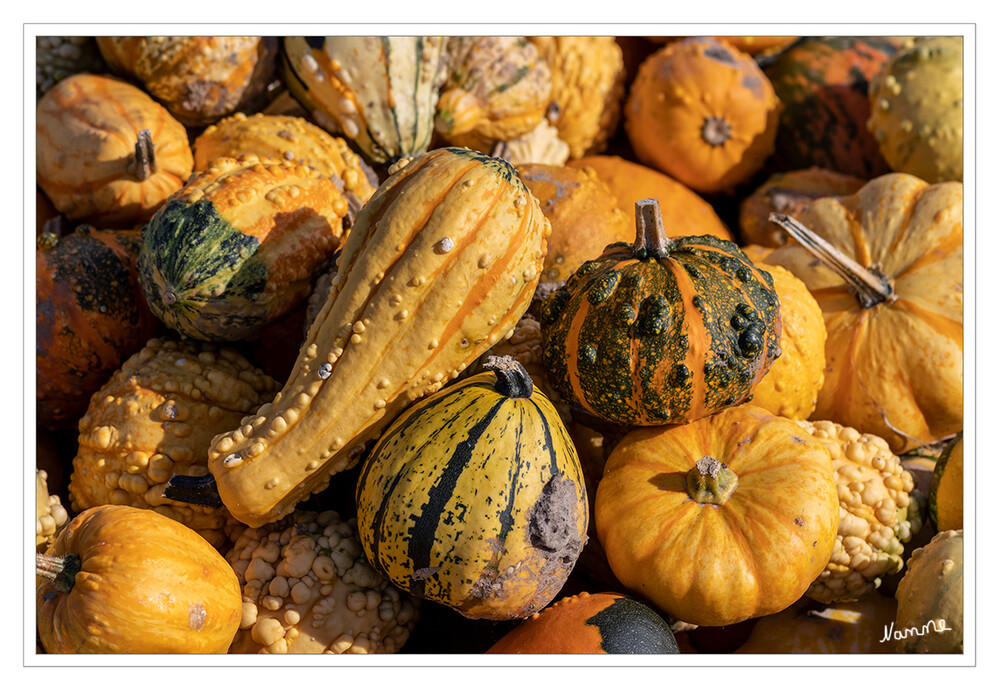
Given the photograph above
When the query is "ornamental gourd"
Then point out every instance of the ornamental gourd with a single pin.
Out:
(946, 495)
(474, 497)
(440, 264)
(50, 514)
(199, 79)
(917, 109)
(379, 92)
(239, 246)
(663, 331)
(702, 112)
(127, 580)
(106, 152)
(892, 298)
(930, 598)
(58, 57)
(720, 520)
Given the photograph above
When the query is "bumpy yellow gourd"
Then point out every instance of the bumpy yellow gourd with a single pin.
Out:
(440, 265)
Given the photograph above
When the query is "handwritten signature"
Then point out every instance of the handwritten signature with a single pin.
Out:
(938, 626)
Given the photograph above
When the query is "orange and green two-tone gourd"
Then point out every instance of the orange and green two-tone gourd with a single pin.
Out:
(440, 265)
(474, 497)
(239, 246)
(662, 331)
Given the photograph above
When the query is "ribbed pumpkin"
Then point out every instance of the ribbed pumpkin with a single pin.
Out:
(946, 495)
(379, 92)
(917, 109)
(662, 331)
(239, 245)
(286, 138)
(822, 83)
(603, 623)
(790, 193)
(895, 329)
(498, 88)
(702, 112)
(90, 316)
(474, 497)
(807, 627)
(583, 213)
(156, 416)
(791, 387)
(199, 79)
(720, 520)
(441, 263)
(684, 211)
(931, 598)
(588, 88)
(126, 580)
(107, 153)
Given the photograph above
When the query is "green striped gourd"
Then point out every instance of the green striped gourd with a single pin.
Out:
(440, 264)
(662, 331)
(474, 497)
(239, 245)
(379, 92)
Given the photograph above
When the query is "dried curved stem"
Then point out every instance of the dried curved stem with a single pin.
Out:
(868, 286)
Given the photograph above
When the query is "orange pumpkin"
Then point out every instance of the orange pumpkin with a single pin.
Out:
(684, 211)
(895, 321)
(719, 520)
(106, 152)
(702, 112)
(128, 580)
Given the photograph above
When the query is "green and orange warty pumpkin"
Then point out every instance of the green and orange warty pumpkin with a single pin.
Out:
(726, 518)
(440, 265)
(661, 331)
(474, 497)
(239, 246)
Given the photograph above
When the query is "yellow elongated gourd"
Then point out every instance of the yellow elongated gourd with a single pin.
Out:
(440, 265)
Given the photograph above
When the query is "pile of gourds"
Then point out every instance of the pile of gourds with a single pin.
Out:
(547, 345)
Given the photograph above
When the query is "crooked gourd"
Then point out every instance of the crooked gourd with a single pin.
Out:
(441, 263)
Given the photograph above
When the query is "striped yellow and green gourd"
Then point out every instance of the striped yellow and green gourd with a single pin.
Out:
(440, 265)
(474, 497)
(378, 91)
(239, 245)
(662, 331)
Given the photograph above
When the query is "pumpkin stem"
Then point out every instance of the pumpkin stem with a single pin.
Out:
(512, 379)
(143, 163)
(711, 481)
(716, 131)
(199, 491)
(650, 234)
(61, 570)
(869, 286)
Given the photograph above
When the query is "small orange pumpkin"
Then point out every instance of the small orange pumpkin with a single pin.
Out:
(703, 112)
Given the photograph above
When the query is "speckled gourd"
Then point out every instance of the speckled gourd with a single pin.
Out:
(440, 264)
(239, 246)
(156, 417)
(917, 109)
(379, 92)
(474, 497)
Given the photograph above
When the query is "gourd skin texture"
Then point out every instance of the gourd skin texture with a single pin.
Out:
(703, 113)
(605, 623)
(87, 127)
(917, 109)
(895, 369)
(379, 92)
(58, 57)
(475, 500)
(285, 138)
(156, 417)
(409, 312)
(646, 341)
(239, 246)
(718, 564)
(200, 79)
(308, 589)
(947, 489)
(933, 589)
(147, 585)
(50, 514)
